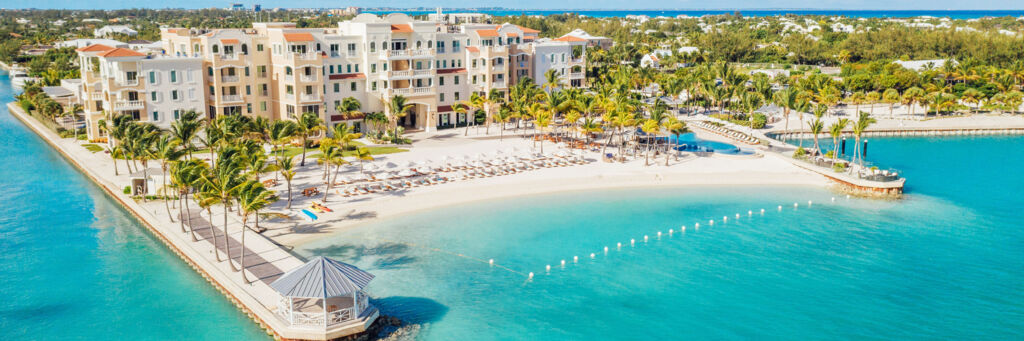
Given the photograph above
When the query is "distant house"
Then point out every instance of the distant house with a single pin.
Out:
(924, 64)
(80, 43)
(601, 42)
(109, 30)
(654, 59)
(772, 73)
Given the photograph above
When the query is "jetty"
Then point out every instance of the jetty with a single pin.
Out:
(273, 297)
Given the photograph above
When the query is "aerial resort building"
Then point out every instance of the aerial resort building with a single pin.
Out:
(279, 71)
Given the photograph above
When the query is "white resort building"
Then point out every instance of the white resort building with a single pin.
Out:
(279, 71)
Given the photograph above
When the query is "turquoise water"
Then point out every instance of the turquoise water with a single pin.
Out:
(75, 265)
(946, 262)
(690, 141)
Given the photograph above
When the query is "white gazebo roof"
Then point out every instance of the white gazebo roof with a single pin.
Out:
(322, 277)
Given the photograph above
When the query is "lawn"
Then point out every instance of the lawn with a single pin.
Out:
(93, 147)
(312, 153)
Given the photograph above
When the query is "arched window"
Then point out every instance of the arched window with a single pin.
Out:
(215, 49)
(384, 45)
(288, 70)
(430, 44)
(419, 44)
(245, 49)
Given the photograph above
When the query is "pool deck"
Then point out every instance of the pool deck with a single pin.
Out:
(265, 259)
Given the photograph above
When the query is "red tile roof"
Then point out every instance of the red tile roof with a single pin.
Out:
(295, 37)
(347, 76)
(121, 52)
(472, 49)
(229, 41)
(401, 28)
(527, 29)
(447, 71)
(571, 39)
(487, 33)
(95, 48)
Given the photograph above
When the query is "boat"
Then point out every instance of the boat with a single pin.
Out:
(309, 216)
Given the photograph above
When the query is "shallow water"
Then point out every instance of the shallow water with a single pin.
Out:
(945, 262)
(75, 265)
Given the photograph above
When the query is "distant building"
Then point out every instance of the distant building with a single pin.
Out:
(80, 43)
(603, 43)
(654, 59)
(109, 30)
(257, 8)
(458, 18)
(925, 64)
(237, 7)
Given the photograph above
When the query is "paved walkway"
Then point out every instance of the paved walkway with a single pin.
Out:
(259, 267)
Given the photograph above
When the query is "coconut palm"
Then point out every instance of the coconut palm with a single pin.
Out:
(349, 107)
(912, 96)
(220, 186)
(279, 133)
(542, 119)
(974, 96)
(286, 167)
(675, 127)
(787, 99)
(864, 120)
(363, 154)
(336, 156)
(750, 102)
(186, 175)
(252, 197)
(553, 78)
(309, 124)
(891, 97)
(344, 134)
(836, 130)
(503, 115)
(185, 129)
(651, 128)
(398, 106)
(166, 150)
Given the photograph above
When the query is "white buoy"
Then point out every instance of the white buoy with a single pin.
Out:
(711, 222)
(695, 227)
(575, 259)
(659, 234)
(762, 211)
(833, 199)
(725, 219)
(491, 262)
(591, 256)
(563, 263)
(780, 207)
(605, 249)
(737, 215)
(619, 245)
(670, 231)
(847, 196)
(683, 229)
(531, 276)
(632, 241)
(645, 238)
(750, 213)
(809, 203)
(548, 268)
(795, 205)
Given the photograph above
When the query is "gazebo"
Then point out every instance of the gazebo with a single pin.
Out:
(324, 294)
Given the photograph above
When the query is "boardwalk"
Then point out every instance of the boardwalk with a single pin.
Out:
(263, 270)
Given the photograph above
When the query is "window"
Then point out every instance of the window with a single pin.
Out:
(336, 104)
(456, 80)
(215, 49)
(442, 97)
(455, 46)
(288, 70)
(357, 68)
(247, 71)
(152, 77)
(373, 47)
(152, 96)
(209, 71)
(337, 87)
(351, 50)
(384, 63)
(474, 63)
(248, 90)
(177, 113)
(456, 95)
(373, 85)
(440, 80)
(263, 106)
(348, 68)
(156, 116)
(174, 95)
(440, 47)
(191, 93)
(334, 50)
(174, 76)
(288, 89)
(259, 47)
(245, 49)
(474, 79)
(352, 86)
(332, 68)
(248, 108)
(373, 68)
(309, 89)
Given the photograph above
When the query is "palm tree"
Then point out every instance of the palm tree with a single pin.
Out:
(553, 78)
(911, 96)
(166, 150)
(816, 127)
(786, 99)
(348, 107)
(345, 134)
(872, 98)
(220, 187)
(751, 101)
(72, 112)
(186, 175)
(398, 107)
(185, 129)
(891, 97)
(493, 98)
(332, 155)
(836, 130)
(279, 132)
(676, 127)
(503, 115)
(651, 127)
(863, 121)
(542, 119)
(308, 125)
(974, 96)
(285, 166)
(363, 154)
(252, 197)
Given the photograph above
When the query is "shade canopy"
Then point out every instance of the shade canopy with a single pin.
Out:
(322, 277)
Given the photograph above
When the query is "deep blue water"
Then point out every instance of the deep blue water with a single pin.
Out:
(952, 14)
(945, 262)
(75, 265)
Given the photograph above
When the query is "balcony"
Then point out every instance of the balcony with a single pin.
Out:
(231, 98)
(96, 96)
(576, 75)
(229, 78)
(309, 98)
(307, 78)
(499, 49)
(498, 68)
(304, 56)
(128, 82)
(498, 84)
(423, 73)
(261, 74)
(228, 56)
(289, 78)
(128, 105)
(420, 91)
(409, 53)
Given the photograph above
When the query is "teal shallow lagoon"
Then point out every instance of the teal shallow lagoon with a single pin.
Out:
(945, 262)
(75, 265)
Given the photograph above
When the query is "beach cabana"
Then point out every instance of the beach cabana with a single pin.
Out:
(324, 294)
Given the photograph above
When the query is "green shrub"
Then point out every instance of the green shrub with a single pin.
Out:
(829, 154)
(838, 167)
(800, 152)
(127, 189)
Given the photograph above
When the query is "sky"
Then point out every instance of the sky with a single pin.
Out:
(545, 4)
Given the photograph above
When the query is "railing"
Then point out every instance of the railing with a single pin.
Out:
(261, 74)
(317, 320)
(400, 73)
(305, 56)
(128, 82)
(96, 96)
(309, 97)
(410, 53)
(498, 67)
(307, 78)
(229, 78)
(400, 91)
(231, 98)
(423, 91)
(500, 84)
(411, 91)
(340, 315)
(289, 78)
(499, 49)
(232, 56)
(419, 73)
(289, 96)
(576, 74)
(127, 105)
